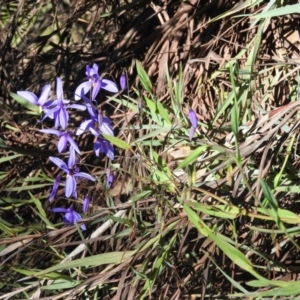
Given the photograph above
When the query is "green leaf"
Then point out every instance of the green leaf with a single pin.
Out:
(289, 189)
(155, 133)
(273, 212)
(269, 195)
(240, 259)
(28, 187)
(196, 221)
(142, 195)
(219, 211)
(9, 158)
(24, 102)
(6, 229)
(291, 289)
(41, 211)
(281, 11)
(230, 279)
(284, 215)
(93, 261)
(157, 108)
(191, 158)
(157, 112)
(61, 284)
(116, 141)
(145, 81)
(235, 120)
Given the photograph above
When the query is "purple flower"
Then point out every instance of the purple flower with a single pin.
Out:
(123, 81)
(72, 174)
(54, 188)
(59, 112)
(103, 146)
(86, 203)
(71, 216)
(58, 107)
(64, 138)
(97, 120)
(110, 178)
(194, 122)
(95, 83)
(42, 101)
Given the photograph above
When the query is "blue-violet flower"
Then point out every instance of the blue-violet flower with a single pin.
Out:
(58, 109)
(123, 82)
(194, 123)
(72, 174)
(86, 203)
(64, 138)
(110, 178)
(103, 146)
(95, 83)
(97, 121)
(42, 101)
(71, 216)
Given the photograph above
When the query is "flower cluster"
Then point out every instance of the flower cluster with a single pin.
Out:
(96, 124)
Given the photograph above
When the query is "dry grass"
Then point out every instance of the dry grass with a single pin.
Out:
(220, 224)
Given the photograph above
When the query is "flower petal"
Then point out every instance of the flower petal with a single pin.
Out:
(54, 188)
(83, 227)
(44, 94)
(72, 157)
(77, 216)
(95, 69)
(110, 151)
(59, 89)
(63, 118)
(94, 131)
(87, 71)
(86, 203)
(123, 81)
(105, 127)
(73, 144)
(51, 131)
(84, 126)
(59, 210)
(70, 186)
(77, 106)
(58, 162)
(29, 96)
(109, 85)
(62, 143)
(56, 119)
(51, 113)
(96, 89)
(193, 118)
(69, 218)
(84, 175)
(192, 131)
(110, 178)
(100, 119)
(84, 88)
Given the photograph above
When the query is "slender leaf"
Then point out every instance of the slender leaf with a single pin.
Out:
(144, 79)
